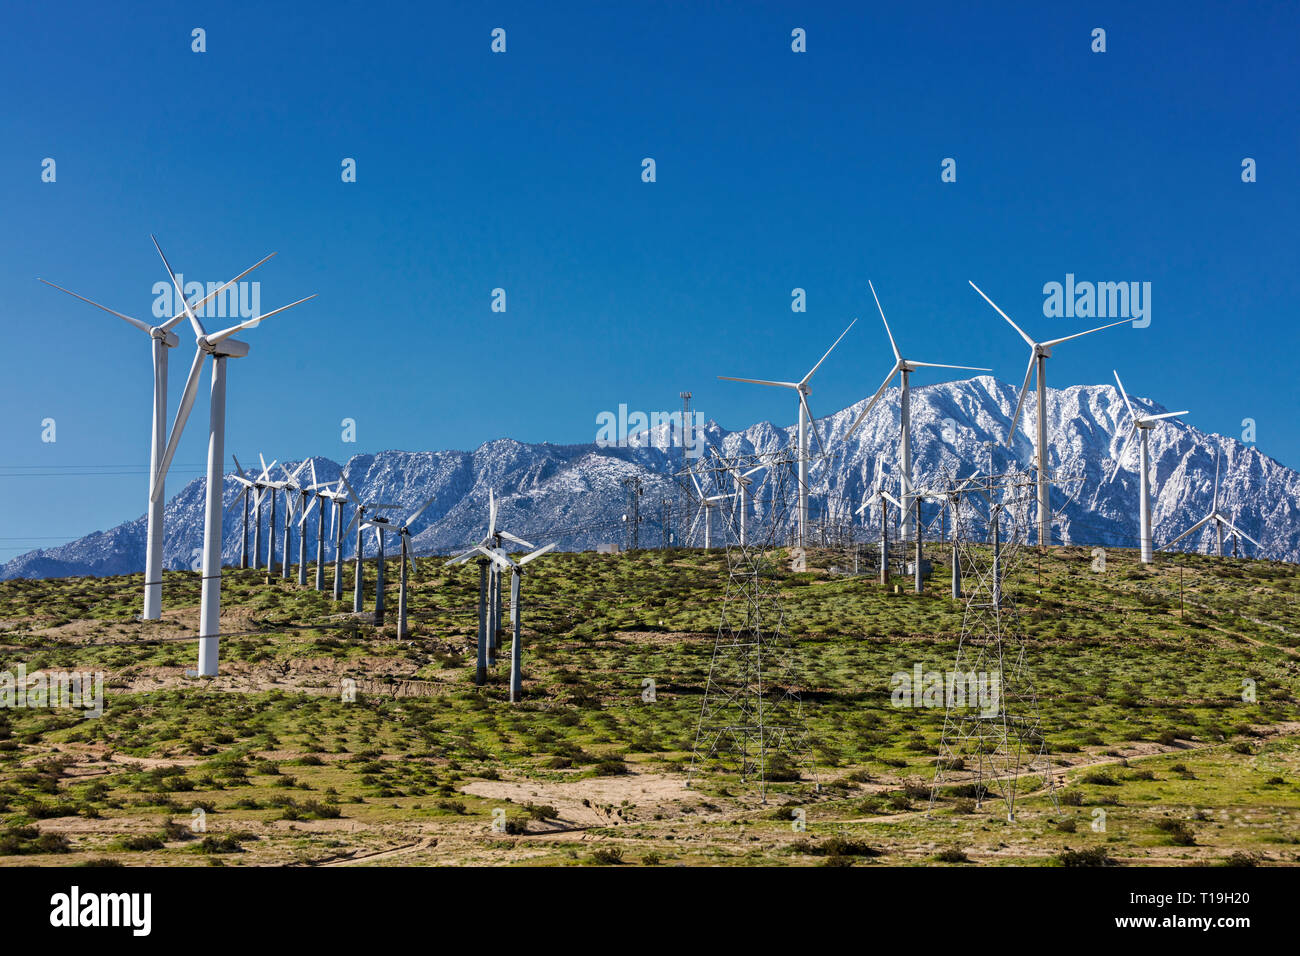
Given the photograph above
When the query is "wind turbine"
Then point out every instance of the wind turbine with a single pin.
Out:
(253, 488)
(289, 481)
(489, 581)
(1142, 424)
(1218, 517)
(500, 561)
(304, 510)
(260, 487)
(336, 496)
(408, 555)
(162, 338)
(272, 487)
(379, 524)
(319, 489)
(221, 346)
(802, 389)
(743, 481)
(904, 369)
(1039, 353)
(359, 519)
(885, 500)
(707, 504)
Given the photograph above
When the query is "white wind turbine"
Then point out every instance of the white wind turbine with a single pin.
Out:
(743, 480)
(303, 510)
(1039, 353)
(802, 389)
(221, 346)
(319, 490)
(707, 504)
(251, 489)
(359, 519)
(163, 338)
(489, 585)
(408, 555)
(260, 486)
(1142, 424)
(904, 369)
(285, 484)
(379, 524)
(500, 561)
(1218, 517)
(337, 496)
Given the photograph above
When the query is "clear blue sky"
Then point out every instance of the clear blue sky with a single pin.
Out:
(523, 171)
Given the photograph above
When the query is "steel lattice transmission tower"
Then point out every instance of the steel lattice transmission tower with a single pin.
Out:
(751, 719)
(995, 742)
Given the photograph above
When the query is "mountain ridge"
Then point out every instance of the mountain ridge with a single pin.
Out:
(574, 492)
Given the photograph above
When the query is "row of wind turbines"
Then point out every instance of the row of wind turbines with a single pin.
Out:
(910, 496)
(491, 552)
(300, 496)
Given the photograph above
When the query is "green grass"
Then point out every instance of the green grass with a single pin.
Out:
(277, 763)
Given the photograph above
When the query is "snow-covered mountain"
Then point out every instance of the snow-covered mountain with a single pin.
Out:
(574, 493)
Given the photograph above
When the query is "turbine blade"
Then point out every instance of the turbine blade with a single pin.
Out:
(519, 541)
(759, 381)
(538, 553)
(182, 416)
(1024, 390)
(256, 320)
(1156, 418)
(418, 511)
(892, 344)
(803, 400)
(1028, 341)
(1194, 528)
(968, 368)
(211, 295)
(827, 355)
(1127, 403)
(142, 326)
(351, 494)
(1077, 335)
(1122, 448)
(1215, 505)
(194, 319)
(871, 404)
(1242, 533)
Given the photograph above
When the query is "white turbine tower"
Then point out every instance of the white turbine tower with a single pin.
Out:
(1142, 424)
(904, 369)
(163, 339)
(221, 346)
(806, 421)
(1039, 353)
(1218, 517)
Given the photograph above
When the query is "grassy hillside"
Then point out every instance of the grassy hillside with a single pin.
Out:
(1139, 674)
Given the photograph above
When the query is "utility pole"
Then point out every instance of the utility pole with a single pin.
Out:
(884, 540)
(666, 521)
(686, 428)
(634, 489)
(918, 583)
